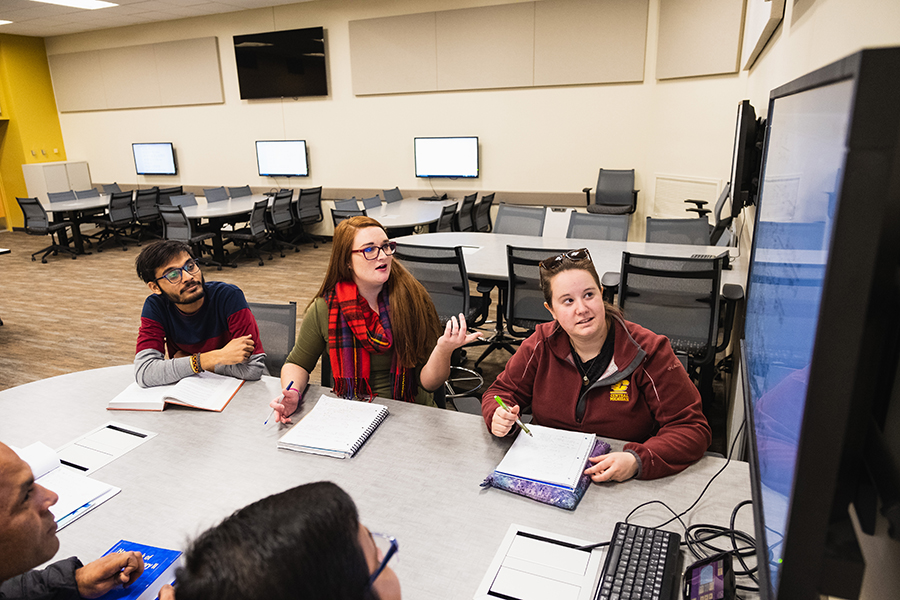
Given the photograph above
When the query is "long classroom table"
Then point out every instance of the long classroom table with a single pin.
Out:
(417, 478)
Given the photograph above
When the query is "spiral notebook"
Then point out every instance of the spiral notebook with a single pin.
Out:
(334, 427)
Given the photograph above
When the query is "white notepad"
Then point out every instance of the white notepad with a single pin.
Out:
(334, 427)
(553, 456)
(207, 391)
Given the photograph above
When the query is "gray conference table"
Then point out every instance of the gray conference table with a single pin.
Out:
(71, 210)
(417, 478)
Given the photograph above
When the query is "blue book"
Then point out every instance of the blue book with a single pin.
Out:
(159, 569)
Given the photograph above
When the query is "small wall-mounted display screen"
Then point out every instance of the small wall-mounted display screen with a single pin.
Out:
(156, 158)
(282, 158)
(446, 156)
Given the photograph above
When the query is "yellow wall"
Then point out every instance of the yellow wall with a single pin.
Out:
(27, 100)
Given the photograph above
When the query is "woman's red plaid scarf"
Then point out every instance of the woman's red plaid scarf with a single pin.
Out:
(355, 332)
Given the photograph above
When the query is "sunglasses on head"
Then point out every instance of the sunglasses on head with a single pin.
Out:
(554, 262)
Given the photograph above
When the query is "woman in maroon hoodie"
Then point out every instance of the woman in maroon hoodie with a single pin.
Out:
(590, 370)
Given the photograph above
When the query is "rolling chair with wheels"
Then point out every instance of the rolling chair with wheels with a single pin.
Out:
(37, 223)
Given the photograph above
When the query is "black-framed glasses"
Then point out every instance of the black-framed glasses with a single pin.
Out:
(371, 252)
(387, 547)
(174, 275)
(554, 262)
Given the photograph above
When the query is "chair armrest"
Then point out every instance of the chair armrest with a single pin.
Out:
(610, 283)
(701, 212)
(699, 203)
(731, 294)
(587, 193)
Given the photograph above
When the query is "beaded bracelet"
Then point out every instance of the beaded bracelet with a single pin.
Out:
(195, 363)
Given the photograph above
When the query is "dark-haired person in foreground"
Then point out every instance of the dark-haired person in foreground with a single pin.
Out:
(204, 326)
(306, 542)
(28, 538)
(591, 370)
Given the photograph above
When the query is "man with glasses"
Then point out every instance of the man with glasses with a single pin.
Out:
(203, 326)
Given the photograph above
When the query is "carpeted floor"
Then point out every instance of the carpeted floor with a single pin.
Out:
(71, 315)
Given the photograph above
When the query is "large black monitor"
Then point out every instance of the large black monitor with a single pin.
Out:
(154, 158)
(745, 158)
(446, 156)
(822, 331)
(281, 64)
(282, 158)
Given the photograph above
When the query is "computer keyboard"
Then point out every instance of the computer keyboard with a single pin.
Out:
(641, 563)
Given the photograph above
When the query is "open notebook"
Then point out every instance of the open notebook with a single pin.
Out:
(208, 391)
(334, 427)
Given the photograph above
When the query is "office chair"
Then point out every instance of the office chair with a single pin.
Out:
(239, 192)
(165, 194)
(176, 226)
(370, 203)
(693, 232)
(720, 234)
(281, 220)
(251, 239)
(338, 215)
(309, 212)
(277, 331)
(61, 196)
(119, 218)
(88, 193)
(680, 298)
(183, 199)
(442, 272)
(482, 213)
(393, 195)
(146, 214)
(464, 219)
(598, 227)
(215, 194)
(37, 223)
(615, 193)
(351, 204)
(520, 220)
(109, 188)
(447, 219)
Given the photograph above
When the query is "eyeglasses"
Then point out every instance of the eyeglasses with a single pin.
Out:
(554, 262)
(174, 275)
(371, 252)
(387, 547)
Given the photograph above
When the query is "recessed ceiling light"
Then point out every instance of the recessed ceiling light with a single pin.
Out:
(88, 4)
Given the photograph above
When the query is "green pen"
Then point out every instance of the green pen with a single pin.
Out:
(518, 421)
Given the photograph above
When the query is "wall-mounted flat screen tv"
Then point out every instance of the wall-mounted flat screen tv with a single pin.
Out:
(446, 156)
(282, 158)
(281, 64)
(154, 158)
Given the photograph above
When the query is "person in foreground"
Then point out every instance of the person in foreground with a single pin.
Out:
(306, 542)
(378, 323)
(28, 538)
(590, 370)
(205, 326)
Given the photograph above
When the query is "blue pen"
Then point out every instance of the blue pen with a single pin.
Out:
(273, 410)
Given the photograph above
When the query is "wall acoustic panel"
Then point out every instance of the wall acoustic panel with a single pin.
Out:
(589, 41)
(489, 47)
(393, 54)
(698, 37)
(163, 74)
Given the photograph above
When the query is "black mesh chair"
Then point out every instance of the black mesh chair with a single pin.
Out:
(338, 215)
(442, 272)
(520, 220)
(88, 193)
(251, 239)
(176, 226)
(308, 211)
(694, 232)
(598, 227)
(483, 213)
(215, 194)
(281, 220)
(109, 188)
(351, 204)
(448, 217)
(370, 203)
(118, 220)
(277, 331)
(680, 298)
(165, 194)
(464, 220)
(61, 196)
(393, 195)
(183, 200)
(239, 192)
(615, 193)
(37, 223)
(146, 214)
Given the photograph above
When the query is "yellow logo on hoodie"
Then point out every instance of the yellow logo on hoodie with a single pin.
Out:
(619, 391)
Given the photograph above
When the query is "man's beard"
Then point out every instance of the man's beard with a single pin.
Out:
(197, 293)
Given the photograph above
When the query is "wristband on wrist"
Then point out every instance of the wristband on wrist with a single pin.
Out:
(195, 363)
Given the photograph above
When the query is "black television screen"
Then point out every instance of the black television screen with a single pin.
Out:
(745, 159)
(154, 158)
(282, 158)
(820, 352)
(446, 156)
(281, 64)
